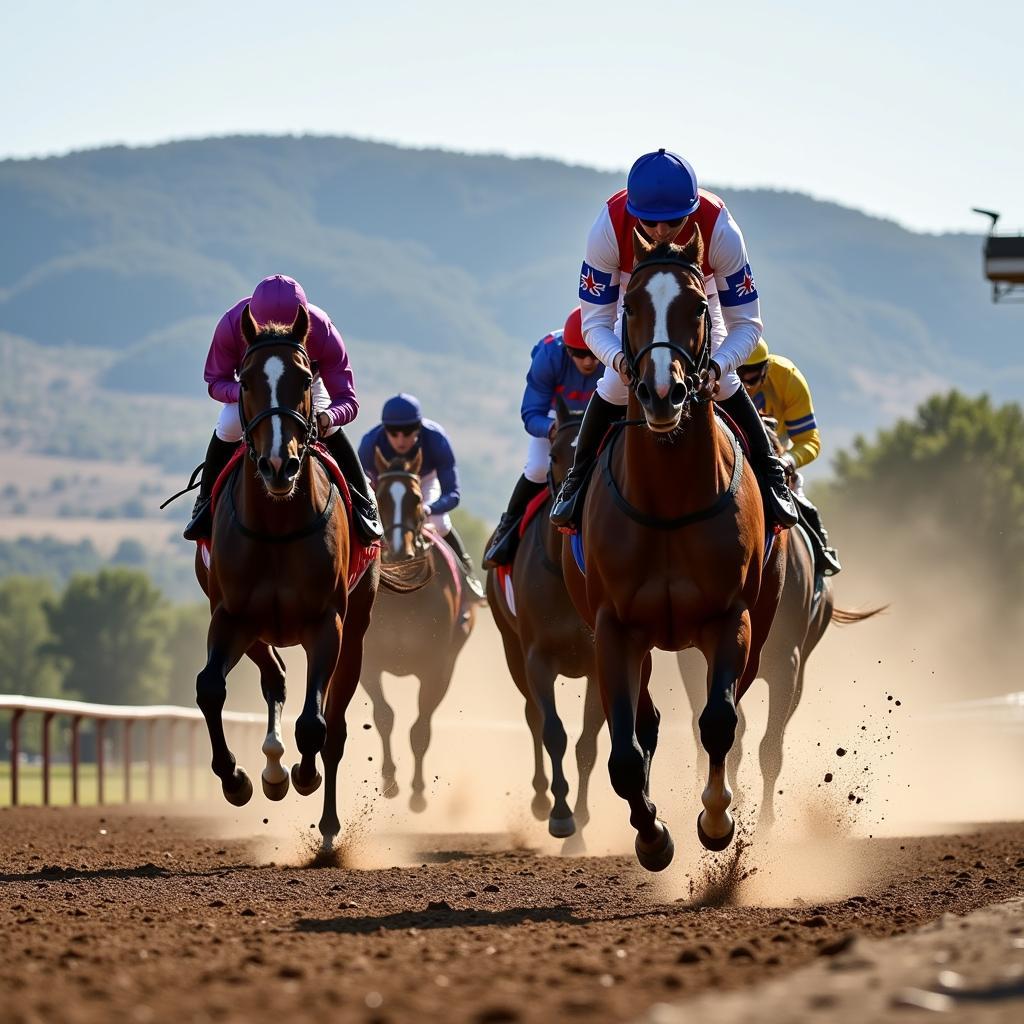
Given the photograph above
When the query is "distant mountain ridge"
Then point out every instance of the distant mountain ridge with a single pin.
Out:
(442, 269)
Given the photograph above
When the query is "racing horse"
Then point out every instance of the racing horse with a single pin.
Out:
(418, 634)
(278, 574)
(806, 609)
(674, 543)
(544, 637)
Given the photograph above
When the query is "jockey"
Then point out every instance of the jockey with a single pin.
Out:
(779, 390)
(561, 365)
(403, 431)
(276, 300)
(662, 201)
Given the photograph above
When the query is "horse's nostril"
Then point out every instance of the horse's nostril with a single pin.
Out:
(263, 465)
(643, 392)
(291, 467)
(678, 394)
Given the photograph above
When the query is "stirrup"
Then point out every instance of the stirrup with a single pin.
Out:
(564, 511)
(502, 549)
(199, 526)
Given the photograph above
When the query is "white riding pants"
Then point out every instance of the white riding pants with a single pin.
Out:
(431, 488)
(538, 457)
(611, 388)
(229, 426)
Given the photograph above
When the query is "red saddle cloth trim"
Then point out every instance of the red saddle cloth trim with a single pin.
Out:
(531, 511)
(445, 551)
(360, 556)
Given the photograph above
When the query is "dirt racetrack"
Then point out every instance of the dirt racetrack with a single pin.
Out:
(116, 914)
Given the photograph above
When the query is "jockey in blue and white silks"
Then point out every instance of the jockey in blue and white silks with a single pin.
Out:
(561, 367)
(403, 431)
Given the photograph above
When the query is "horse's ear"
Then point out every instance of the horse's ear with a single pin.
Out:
(416, 464)
(300, 325)
(693, 250)
(641, 247)
(379, 461)
(250, 329)
(561, 410)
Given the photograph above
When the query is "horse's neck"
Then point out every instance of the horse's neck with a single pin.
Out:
(668, 479)
(281, 516)
(550, 537)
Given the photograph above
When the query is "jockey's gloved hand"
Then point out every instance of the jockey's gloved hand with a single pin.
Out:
(708, 382)
(789, 466)
(426, 511)
(620, 366)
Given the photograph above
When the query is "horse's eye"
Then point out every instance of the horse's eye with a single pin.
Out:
(627, 309)
(308, 383)
(702, 308)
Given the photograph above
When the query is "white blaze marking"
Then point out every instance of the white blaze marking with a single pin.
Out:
(662, 287)
(274, 369)
(396, 492)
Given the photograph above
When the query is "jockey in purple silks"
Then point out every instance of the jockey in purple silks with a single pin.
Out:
(277, 300)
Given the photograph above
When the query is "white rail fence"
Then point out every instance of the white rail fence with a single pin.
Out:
(172, 720)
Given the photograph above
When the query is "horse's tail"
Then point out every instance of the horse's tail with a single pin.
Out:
(406, 577)
(843, 617)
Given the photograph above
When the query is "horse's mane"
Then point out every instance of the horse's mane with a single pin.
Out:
(273, 329)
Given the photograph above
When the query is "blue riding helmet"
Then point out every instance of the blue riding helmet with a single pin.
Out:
(402, 410)
(661, 186)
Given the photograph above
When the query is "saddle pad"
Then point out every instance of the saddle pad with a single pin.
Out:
(504, 578)
(360, 556)
(536, 502)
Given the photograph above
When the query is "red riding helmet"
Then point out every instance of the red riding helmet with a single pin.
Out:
(572, 334)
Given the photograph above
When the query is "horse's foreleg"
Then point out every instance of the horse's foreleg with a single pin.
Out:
(725, 644)
(227, 640)
(323, 646)
(694, 673)
(272, 683)
(735, 755)
(648, 720)
(619, 664)
(782, 697)
(540, 676)
(433, 686)
(384, 719)
(586, 750)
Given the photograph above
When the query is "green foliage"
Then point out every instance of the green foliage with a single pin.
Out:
(26, 666)
(474, 532)
(184, 642)
(47, 557)
(109, 629)
(953, 476)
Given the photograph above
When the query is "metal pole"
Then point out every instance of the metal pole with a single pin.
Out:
(192, 761)
(47, 719)
(15, 751)
(170, 758)
(100, 723)
(126, 738)
(150, 727)
(75, 723)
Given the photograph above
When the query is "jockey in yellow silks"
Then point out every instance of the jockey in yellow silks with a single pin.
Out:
(779, 390)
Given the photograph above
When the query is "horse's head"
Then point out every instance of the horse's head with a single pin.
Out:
(563, 444)
(400, 501)
(666, 328)
(275, 404)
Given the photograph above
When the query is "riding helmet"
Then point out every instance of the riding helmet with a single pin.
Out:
(661, 186)
(758, 356)
(572, 334)
(277, 300)
(402, 410)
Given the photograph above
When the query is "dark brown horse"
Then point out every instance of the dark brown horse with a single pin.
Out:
(806, 609)
(418, 634)
(544, 637)
(673, 530)
(278, 575)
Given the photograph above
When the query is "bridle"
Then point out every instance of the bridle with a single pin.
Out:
(698, 364)
(420, 543)
(308, 424)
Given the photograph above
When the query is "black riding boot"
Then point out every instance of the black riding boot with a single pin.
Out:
(506, 534)
(767, 466)
(217, 455)
(364, 507)
(454, 541)
(826, 561)
(600, 415)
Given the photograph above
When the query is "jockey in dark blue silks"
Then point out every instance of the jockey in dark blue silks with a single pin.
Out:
(403, 431)
(561, 365)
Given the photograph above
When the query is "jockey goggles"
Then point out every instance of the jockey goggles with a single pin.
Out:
(675, 222)
(403, 430)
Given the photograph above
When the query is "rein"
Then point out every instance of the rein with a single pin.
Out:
(703, 359)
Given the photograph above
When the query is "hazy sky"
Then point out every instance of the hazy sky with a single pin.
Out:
(909, 110)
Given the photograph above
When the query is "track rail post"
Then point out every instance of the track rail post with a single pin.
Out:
(150, 781)
(16, 716)
(100, 730)
(126, 739)
(76, 723)
(47, 721)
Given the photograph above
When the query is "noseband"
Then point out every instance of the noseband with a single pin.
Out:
(697, 365)
(248, 426)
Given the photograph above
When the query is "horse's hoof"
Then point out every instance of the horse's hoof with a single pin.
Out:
(275, 790)
(658, 855)
(715, 843)
(574, 846)
(417, 803)
(305, 789)
(541, 806)
(239, 790)
(562, 828)
(389, 789)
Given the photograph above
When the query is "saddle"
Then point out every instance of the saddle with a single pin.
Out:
(360, 557)
(504, 572)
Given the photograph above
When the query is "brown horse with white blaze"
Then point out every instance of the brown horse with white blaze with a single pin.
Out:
(278, 575)
(673, 531)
